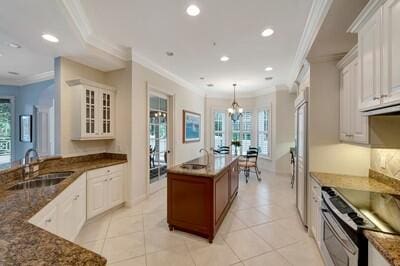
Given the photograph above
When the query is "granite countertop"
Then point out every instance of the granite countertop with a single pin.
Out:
(22, 243)
(217, 163)
(388, 245)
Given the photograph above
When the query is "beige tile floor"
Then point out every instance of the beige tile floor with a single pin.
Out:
(261, 229)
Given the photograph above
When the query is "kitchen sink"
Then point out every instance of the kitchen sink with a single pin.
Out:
(192, 166)
(46, 180)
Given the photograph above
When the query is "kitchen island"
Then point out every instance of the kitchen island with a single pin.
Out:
(200, 193)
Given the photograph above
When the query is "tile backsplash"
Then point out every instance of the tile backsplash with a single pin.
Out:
(386, 161)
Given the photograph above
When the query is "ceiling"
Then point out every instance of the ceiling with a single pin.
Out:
(153, 27)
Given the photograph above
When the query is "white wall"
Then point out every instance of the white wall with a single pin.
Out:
(282, 125)
(185, 99)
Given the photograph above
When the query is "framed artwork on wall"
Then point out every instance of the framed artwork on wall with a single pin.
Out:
(191, 126)
(25, 128)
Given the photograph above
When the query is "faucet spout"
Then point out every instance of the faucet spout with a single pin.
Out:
(208, 155)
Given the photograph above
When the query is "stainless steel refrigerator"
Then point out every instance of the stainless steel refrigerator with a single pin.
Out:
(301, 104)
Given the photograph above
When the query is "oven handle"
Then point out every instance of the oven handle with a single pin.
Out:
(334, 228)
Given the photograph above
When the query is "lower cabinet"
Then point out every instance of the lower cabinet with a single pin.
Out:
(66, 214)
(375, 258)
(105, 189)
(91, 194)
(315, 213)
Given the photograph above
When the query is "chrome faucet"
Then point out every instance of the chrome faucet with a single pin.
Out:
(29, 160)
(208, 155)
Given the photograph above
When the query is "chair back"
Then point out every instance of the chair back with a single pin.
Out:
(252, 155)
(224, 150)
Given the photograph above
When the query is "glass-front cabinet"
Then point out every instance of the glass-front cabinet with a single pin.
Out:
(92, 108)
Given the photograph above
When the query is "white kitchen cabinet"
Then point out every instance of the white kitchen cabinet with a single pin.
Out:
(105, 189)
(66, 214)
(375, 258)
(369, 45)
(353, 125)
(92, 110)
(315, 215)
(391, 53)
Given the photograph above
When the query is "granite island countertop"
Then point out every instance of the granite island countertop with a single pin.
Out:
(388, 245)
(22, 243)
(216, 164)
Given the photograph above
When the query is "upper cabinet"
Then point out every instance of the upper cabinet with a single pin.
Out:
(391, 52)
(379, 53)
(92, 110)
(353, 125)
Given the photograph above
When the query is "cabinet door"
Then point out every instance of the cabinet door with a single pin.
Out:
(90, 113)
(345, 100)
(67, 223)
(369, 41)
(234, 181)
(315, 223)
(221, 195)
(116, 189)
(358, 122)
(49, 220)
(79, 206)
(106, 112)
(391, 52)
(96, 196)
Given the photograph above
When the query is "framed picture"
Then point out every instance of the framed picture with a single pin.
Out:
(191, 126)
(25, 128)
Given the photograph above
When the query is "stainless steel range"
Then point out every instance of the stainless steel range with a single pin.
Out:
(345, 214)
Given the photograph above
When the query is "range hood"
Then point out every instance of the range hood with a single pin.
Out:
(389, 110)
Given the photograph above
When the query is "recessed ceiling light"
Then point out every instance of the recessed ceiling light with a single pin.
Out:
(50, 38)
(267, 32)
(14, 45)
(13, 73)
(193, 10)
(268, 69)
(169, 53)
(224, 58)
(268, 78)
(210, 85)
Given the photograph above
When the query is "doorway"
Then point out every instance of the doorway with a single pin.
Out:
(159, 151)
(6, 130)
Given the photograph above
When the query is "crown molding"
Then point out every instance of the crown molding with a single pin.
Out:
(366, 13)
(350, 56)
(23, 81)
(165, 73)
(77, 13)
(318, 12)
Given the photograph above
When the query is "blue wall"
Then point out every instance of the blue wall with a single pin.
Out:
(26, 97)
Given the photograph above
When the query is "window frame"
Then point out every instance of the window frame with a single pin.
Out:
(268, 109)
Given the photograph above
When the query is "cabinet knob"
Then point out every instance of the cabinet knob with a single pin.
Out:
(384, 95)
(76, 197)
(376, 98)
(110, 178)
(48, 220)
(105, 180)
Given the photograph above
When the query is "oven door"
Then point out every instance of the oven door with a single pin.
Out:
(337, 247)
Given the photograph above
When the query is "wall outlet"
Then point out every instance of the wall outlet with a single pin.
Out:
(382, 163)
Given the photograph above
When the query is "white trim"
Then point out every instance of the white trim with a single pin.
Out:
(165, 73)
(77, 13)
(267, 108)
(14, 131)
(365, 15)
(28, 79)
(348, 58)
(82, 81)
(318, 12)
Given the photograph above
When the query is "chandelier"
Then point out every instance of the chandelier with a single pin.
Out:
(235, 112)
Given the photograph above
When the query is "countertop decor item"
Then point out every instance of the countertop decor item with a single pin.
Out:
(235, 112)
(191, 126)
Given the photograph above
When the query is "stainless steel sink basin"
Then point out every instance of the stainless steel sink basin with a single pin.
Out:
(42, 181)
(192, 166)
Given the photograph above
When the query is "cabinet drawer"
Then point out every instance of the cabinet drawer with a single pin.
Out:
(104, 171)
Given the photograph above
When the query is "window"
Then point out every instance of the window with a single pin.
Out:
(263, 136)
(242, 131)
(219, 129)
